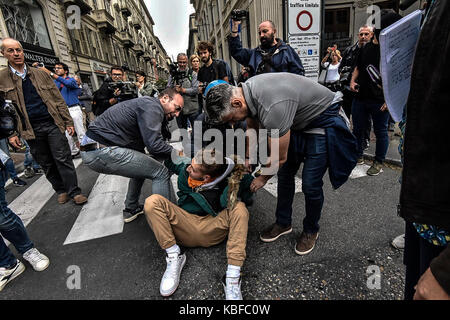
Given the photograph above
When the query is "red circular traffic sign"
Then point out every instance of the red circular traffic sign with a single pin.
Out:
(310, 20)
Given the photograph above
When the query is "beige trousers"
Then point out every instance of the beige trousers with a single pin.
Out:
(172, 225)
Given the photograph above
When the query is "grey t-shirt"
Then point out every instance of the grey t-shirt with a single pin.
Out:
(286, 101)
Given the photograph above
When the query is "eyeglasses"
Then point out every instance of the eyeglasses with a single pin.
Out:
(178, 108)
(116, 75)
(364, 34)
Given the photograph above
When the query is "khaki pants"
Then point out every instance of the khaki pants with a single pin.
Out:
(172, 225)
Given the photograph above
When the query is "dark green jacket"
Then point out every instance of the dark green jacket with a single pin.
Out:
(210, 201)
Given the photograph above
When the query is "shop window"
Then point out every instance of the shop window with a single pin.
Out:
(25, 22)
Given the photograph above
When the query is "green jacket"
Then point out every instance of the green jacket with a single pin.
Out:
(211, 200)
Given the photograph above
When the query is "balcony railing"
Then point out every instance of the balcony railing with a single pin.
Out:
(125, 8)
(126, 39)
(84, 6)
(105, 21)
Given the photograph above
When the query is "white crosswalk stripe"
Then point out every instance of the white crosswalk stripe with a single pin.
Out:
(102, 215)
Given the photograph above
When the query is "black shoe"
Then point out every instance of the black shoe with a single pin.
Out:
(38, 171)
(130, 215)
(28, 172)
(19, 182)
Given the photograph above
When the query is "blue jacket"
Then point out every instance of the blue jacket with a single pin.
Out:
(285, 59)
(69, 90)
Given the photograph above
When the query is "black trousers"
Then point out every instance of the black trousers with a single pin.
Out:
(417, 258)
(51, 151)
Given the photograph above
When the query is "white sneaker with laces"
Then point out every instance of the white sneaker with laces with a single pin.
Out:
(6, 275)
(38, 261)
(399, 242)
(171, 277)
(232, 288)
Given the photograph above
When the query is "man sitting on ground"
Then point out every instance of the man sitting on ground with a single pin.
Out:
(208, 211)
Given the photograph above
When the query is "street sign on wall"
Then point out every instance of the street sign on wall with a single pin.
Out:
(304, 33)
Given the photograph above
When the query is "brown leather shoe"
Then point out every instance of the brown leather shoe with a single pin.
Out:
(63, 198)
(306, 242)
(79, 199)
(273, 232)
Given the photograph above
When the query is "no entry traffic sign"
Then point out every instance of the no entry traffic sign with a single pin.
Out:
(309, 20)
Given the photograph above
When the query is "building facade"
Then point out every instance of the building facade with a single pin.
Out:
(342, 19)
(89, 36)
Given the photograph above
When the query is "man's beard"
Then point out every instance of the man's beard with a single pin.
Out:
(205, 60)
(266, 43)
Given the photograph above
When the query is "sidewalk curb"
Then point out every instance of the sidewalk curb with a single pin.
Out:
(394, 162)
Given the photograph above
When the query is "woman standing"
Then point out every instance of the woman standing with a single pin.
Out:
(332, 78)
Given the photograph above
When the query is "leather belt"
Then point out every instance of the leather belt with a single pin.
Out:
(92, 147)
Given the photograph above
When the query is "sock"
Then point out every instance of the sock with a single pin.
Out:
(233, 271)
(173, 249)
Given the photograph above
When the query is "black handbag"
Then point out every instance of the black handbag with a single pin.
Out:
(8, 120)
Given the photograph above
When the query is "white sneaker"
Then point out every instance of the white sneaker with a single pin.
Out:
(232, 288)
(399, 242)
(171, 278)
(38, 261)
(6, 275)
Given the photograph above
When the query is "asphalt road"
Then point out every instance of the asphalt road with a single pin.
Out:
(358, 222)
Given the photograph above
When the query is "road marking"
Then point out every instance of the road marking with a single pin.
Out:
(359, 171)
(102, 215)
(271, 185)
(28, 204)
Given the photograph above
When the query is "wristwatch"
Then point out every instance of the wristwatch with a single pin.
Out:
(51, 74)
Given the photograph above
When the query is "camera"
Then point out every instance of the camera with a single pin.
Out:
(239, 14)
(176, 74)
(128, 90)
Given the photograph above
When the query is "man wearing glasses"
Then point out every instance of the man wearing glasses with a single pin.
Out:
(115, 142)
(105, 97)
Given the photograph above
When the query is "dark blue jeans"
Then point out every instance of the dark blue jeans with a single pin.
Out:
(361, 110)
(12, 229)
(315, 163)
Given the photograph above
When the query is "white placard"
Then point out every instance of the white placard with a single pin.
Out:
(308, 48)
(304, 16)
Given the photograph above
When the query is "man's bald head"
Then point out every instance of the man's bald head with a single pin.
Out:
(8, 42)
(12, 50)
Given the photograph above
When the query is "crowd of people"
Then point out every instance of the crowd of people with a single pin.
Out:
(129, 135)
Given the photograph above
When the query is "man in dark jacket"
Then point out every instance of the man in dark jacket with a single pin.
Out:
(105, 97)
(424, 197)
(273, 55)
(115, 142)
(208, 211)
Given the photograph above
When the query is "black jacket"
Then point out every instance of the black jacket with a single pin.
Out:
(101, 98)
(425, 191)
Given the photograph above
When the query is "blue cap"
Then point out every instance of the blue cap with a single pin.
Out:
(212, 84)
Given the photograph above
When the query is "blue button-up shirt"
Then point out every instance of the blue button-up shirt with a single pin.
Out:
(69, 89)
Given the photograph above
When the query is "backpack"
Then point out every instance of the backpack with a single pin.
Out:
(8, 120)
(228, 70)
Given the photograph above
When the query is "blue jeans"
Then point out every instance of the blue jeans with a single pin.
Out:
(315, 163)
(29, 161)
(131, 164)
(361, 110)
(9, 164)
(12, 229)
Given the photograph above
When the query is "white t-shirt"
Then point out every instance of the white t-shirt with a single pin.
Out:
(333, 73)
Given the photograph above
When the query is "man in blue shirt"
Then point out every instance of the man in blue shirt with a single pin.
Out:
(70, 90)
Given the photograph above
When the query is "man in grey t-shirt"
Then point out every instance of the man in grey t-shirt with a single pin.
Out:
(304, 118)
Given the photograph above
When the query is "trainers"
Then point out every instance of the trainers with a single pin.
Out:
(399, 242)
(80, 199)
(130, 215)
(375, 169)
(63, 198)
(171, 277)
(360, 161)
(6, 275)
(38, 171)
(38, 261)
(19, 182)
(273, 232)
(306, 242)
(232, 287)
(28, 172)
